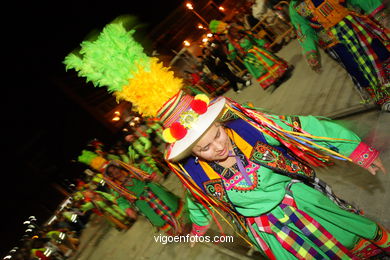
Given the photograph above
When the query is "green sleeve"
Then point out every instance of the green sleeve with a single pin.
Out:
(325, 128)
(146, 142)
(122, 202)
(107, 196)
(197, 213)
(307, 37)
(113, 157)
(140, 148)
(156, 127)
(133, 155)
(125, 158)
(146, 168)
(87, 206)
(367, 6)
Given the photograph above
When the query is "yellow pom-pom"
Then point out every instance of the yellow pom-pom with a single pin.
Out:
(167, 136)
(203, 97)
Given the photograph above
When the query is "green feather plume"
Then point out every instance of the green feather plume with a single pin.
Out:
(87, 157)
(111, 59)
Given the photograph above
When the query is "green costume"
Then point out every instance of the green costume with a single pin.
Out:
(353, 39)
(162, 208)
(140, 155)
(287, 212)
(104, 202)
(264, 66)
(141, 190)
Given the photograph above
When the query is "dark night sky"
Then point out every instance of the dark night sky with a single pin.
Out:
(36, 38)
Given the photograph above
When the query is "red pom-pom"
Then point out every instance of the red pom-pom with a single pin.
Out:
(199, 106)
(178, 131)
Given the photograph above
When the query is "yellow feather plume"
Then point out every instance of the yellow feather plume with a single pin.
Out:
(148, 90)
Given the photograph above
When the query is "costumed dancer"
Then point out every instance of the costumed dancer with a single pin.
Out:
(141, 150)
(105, 204)
(259, 168)
(264, 66)
(135, 192)
(357, 41)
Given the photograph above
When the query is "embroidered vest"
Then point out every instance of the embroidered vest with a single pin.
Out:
(329, 12)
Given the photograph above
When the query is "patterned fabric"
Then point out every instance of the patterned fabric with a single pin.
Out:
(160, 208)
(382, 239)
(228, 115)
(364, 50)
(327, 190)
(232, 177)
(131, 170)
(167, 228)
(380, 14)
(325, 37)
(170, 111)
(290, 240)
(364, 249)
(328, 13)
(271, 73)
(262, 244)
(270, 157)
(120, 188)
(364, 155)
(308, 226)
(295, 122)
(381, 243)
(354, 40)
(215, 188)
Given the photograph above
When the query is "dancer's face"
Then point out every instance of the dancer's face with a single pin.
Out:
(115, 173)
(214, 145)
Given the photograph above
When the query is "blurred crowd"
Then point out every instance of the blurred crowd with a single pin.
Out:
(222, 66)
(59, 238)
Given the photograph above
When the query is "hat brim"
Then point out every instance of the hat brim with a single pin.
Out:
(181, 148)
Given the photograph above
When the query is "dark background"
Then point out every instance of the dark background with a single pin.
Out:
(43, 129)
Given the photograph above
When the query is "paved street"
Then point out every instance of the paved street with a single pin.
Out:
(329, 94)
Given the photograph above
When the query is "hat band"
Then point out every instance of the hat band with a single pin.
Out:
(184, 116)
(174, 116)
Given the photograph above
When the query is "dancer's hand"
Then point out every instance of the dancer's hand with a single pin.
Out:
(375, 166)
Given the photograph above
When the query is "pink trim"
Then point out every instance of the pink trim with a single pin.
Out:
(229, 186)
(377, 10)
(199, 230)
(364, 155)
